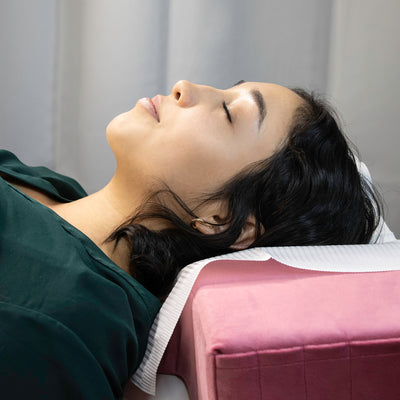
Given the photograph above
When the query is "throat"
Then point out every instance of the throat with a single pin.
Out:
(95, 216)
(96, 221)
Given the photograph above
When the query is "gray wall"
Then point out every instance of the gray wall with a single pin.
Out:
(68, 66)
(27, 44)
(364, 83)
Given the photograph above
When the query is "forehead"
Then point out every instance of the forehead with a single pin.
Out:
(275, 94)
(279, 100)
(281, 104)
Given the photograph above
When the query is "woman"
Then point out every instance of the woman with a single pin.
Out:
(200, 172)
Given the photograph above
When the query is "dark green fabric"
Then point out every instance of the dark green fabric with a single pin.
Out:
(73, 325)
(60, 186)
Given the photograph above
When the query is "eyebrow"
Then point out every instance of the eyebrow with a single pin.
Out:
(239, 83)
(259, 100)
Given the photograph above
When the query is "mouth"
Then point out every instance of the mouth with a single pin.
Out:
(151, 106)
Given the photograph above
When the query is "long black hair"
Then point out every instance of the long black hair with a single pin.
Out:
(309, 192)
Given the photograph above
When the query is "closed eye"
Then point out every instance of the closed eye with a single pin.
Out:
(228, 115)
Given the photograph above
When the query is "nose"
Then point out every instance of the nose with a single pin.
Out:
(185, 93)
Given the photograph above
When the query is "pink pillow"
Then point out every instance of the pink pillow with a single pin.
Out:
(264, 330)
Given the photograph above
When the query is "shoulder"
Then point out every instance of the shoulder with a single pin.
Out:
(60, 186)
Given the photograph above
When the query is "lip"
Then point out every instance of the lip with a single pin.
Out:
(150, 107)
(156, 100)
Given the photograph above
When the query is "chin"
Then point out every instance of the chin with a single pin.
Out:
(120, 126)
(125, 134)
(116, 122)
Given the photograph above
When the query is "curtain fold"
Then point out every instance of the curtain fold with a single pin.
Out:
(279, 41)
(364, 82)
(69, 66)
(26, 78)
(110, 54)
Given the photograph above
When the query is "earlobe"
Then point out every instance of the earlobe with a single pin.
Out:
(248, 235)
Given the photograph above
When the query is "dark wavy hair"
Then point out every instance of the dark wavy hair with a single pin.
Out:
(309, 192)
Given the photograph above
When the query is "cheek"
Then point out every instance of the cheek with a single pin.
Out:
(197, 165)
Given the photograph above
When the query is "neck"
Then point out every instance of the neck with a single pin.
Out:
(99, 214)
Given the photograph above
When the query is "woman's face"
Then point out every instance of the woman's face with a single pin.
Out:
(198, 137)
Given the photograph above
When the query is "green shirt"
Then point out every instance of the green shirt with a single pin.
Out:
(73, 325)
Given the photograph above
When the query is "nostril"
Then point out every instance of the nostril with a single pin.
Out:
(177, 95)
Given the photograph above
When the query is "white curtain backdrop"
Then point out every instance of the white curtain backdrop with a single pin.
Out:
(69, 66)
(364, 84)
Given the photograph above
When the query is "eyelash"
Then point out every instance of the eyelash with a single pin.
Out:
(228, 114)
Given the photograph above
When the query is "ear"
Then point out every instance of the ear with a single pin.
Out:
(207, 226)
(210, 219)
(247, 236)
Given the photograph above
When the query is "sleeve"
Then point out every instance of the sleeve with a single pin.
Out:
(41, 359)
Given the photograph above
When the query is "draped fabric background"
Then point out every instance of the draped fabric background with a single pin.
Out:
(69, 66)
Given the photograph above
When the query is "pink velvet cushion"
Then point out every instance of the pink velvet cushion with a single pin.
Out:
(263, 330)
